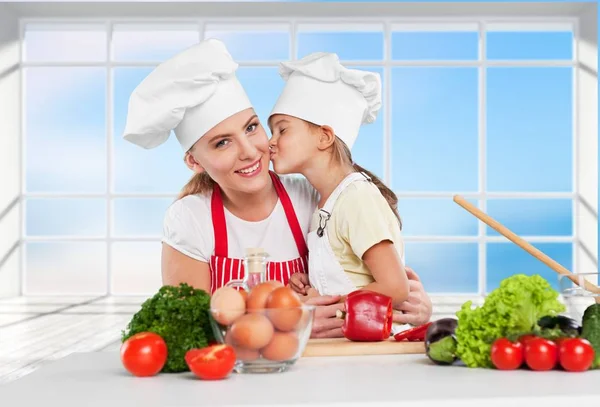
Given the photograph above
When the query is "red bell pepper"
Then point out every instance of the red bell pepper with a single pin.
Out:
(416, 334)
(368, 316)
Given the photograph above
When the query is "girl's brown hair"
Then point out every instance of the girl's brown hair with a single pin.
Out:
(343, 155)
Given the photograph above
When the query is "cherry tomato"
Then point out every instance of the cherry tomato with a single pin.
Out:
(575, 354)
(541, 354)
(212, 362)
(144, 354)
(507, 355)
(524, 339)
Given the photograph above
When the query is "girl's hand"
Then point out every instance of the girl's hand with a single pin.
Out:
(417, 309)
(299, 283)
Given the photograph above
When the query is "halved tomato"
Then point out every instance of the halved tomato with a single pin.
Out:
(213, 362)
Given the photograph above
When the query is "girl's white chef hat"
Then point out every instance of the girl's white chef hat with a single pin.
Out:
(319, 89)
(189, 93)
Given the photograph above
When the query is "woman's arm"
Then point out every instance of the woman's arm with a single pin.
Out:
(385, 265)
(178, 268)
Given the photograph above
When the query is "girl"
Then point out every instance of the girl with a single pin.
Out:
(354, 238)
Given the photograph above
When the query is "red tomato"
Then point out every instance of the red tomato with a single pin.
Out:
(144, 354)
(541, 354)
(524, 339)
(575, 354)
(507, 355)
(211, 363)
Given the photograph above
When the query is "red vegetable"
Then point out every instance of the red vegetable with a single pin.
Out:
(144, 354)
(212, 362)
(541, 354)
(575, 354)
(368, 316)
(506, 355)
(416, 334)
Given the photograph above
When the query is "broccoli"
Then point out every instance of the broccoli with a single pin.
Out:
(180, 315)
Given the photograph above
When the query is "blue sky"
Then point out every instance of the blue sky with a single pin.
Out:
(434, 145)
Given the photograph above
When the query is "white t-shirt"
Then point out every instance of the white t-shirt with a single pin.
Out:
(188, 225)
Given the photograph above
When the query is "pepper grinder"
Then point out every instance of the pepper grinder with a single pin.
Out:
(255, 269)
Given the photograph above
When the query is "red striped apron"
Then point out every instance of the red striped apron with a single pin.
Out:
(224, 269)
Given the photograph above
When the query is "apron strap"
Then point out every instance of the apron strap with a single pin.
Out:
(218, 220)
(290, 214)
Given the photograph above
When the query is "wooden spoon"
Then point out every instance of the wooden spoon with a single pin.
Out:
(526, 246)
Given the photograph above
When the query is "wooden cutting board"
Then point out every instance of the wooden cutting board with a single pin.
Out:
(344, 347)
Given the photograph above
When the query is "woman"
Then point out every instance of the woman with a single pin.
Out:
(233, 201)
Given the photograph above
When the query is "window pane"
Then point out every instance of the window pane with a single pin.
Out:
(436, 217)
(65, 42)
(368, 147)
(263, 85)
(140, 216)
(65, 129)
(435, 45)
(532, 217)
(68, 268)
(444, 267)
(136, 170)
(506, 259)
(359, 45)
(136, 268)
(529, 45)
(66, 217)
(140, 42)
(434, 129)
(529, 129)
(274, 44)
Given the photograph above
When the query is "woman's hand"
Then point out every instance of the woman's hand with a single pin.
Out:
(325, 323)
(299, 283)
(417, 309)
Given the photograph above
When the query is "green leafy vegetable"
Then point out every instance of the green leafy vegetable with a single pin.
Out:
(510, 310)
(590, 330)
(179, 314)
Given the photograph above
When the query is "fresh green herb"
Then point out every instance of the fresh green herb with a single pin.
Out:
(510, 310)
(590, 330)
(179, 314)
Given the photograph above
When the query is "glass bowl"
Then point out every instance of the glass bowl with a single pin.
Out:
(575, 297)
(265, 340)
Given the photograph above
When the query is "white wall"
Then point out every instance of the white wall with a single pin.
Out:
(587, 100)
(10, 104)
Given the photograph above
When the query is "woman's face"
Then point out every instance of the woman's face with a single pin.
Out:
(235, 153)
(293, 144)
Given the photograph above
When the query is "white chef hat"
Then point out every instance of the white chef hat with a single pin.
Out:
(189, 93)
(319, 89)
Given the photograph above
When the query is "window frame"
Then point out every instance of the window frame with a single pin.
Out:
(387, 24)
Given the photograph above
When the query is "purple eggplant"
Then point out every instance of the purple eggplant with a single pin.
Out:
(440, 341)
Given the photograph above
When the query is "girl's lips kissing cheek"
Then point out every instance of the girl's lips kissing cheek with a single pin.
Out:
(251, 170)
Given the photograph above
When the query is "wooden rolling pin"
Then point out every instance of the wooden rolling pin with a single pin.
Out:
(538, 254)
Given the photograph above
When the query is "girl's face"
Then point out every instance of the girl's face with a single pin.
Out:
(293, 144)
(235, 153)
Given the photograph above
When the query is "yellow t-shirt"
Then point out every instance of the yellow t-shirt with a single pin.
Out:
(360, 218)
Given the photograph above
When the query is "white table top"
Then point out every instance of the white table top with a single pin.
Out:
(98, 379)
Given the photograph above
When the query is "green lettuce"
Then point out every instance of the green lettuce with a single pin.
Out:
(510, 310)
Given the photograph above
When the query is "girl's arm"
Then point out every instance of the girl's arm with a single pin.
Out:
(178, 268)
(385, 265)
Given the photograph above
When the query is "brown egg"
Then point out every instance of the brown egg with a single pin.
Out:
(227, 305)
(247, 355)
(283, 346)
(283, 304)
(241, 353)
(257, 298)
(276, 283)
(244, 294)
(251, 331)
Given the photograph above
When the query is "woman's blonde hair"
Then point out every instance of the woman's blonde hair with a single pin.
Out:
(343, 155)
(200, 183)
